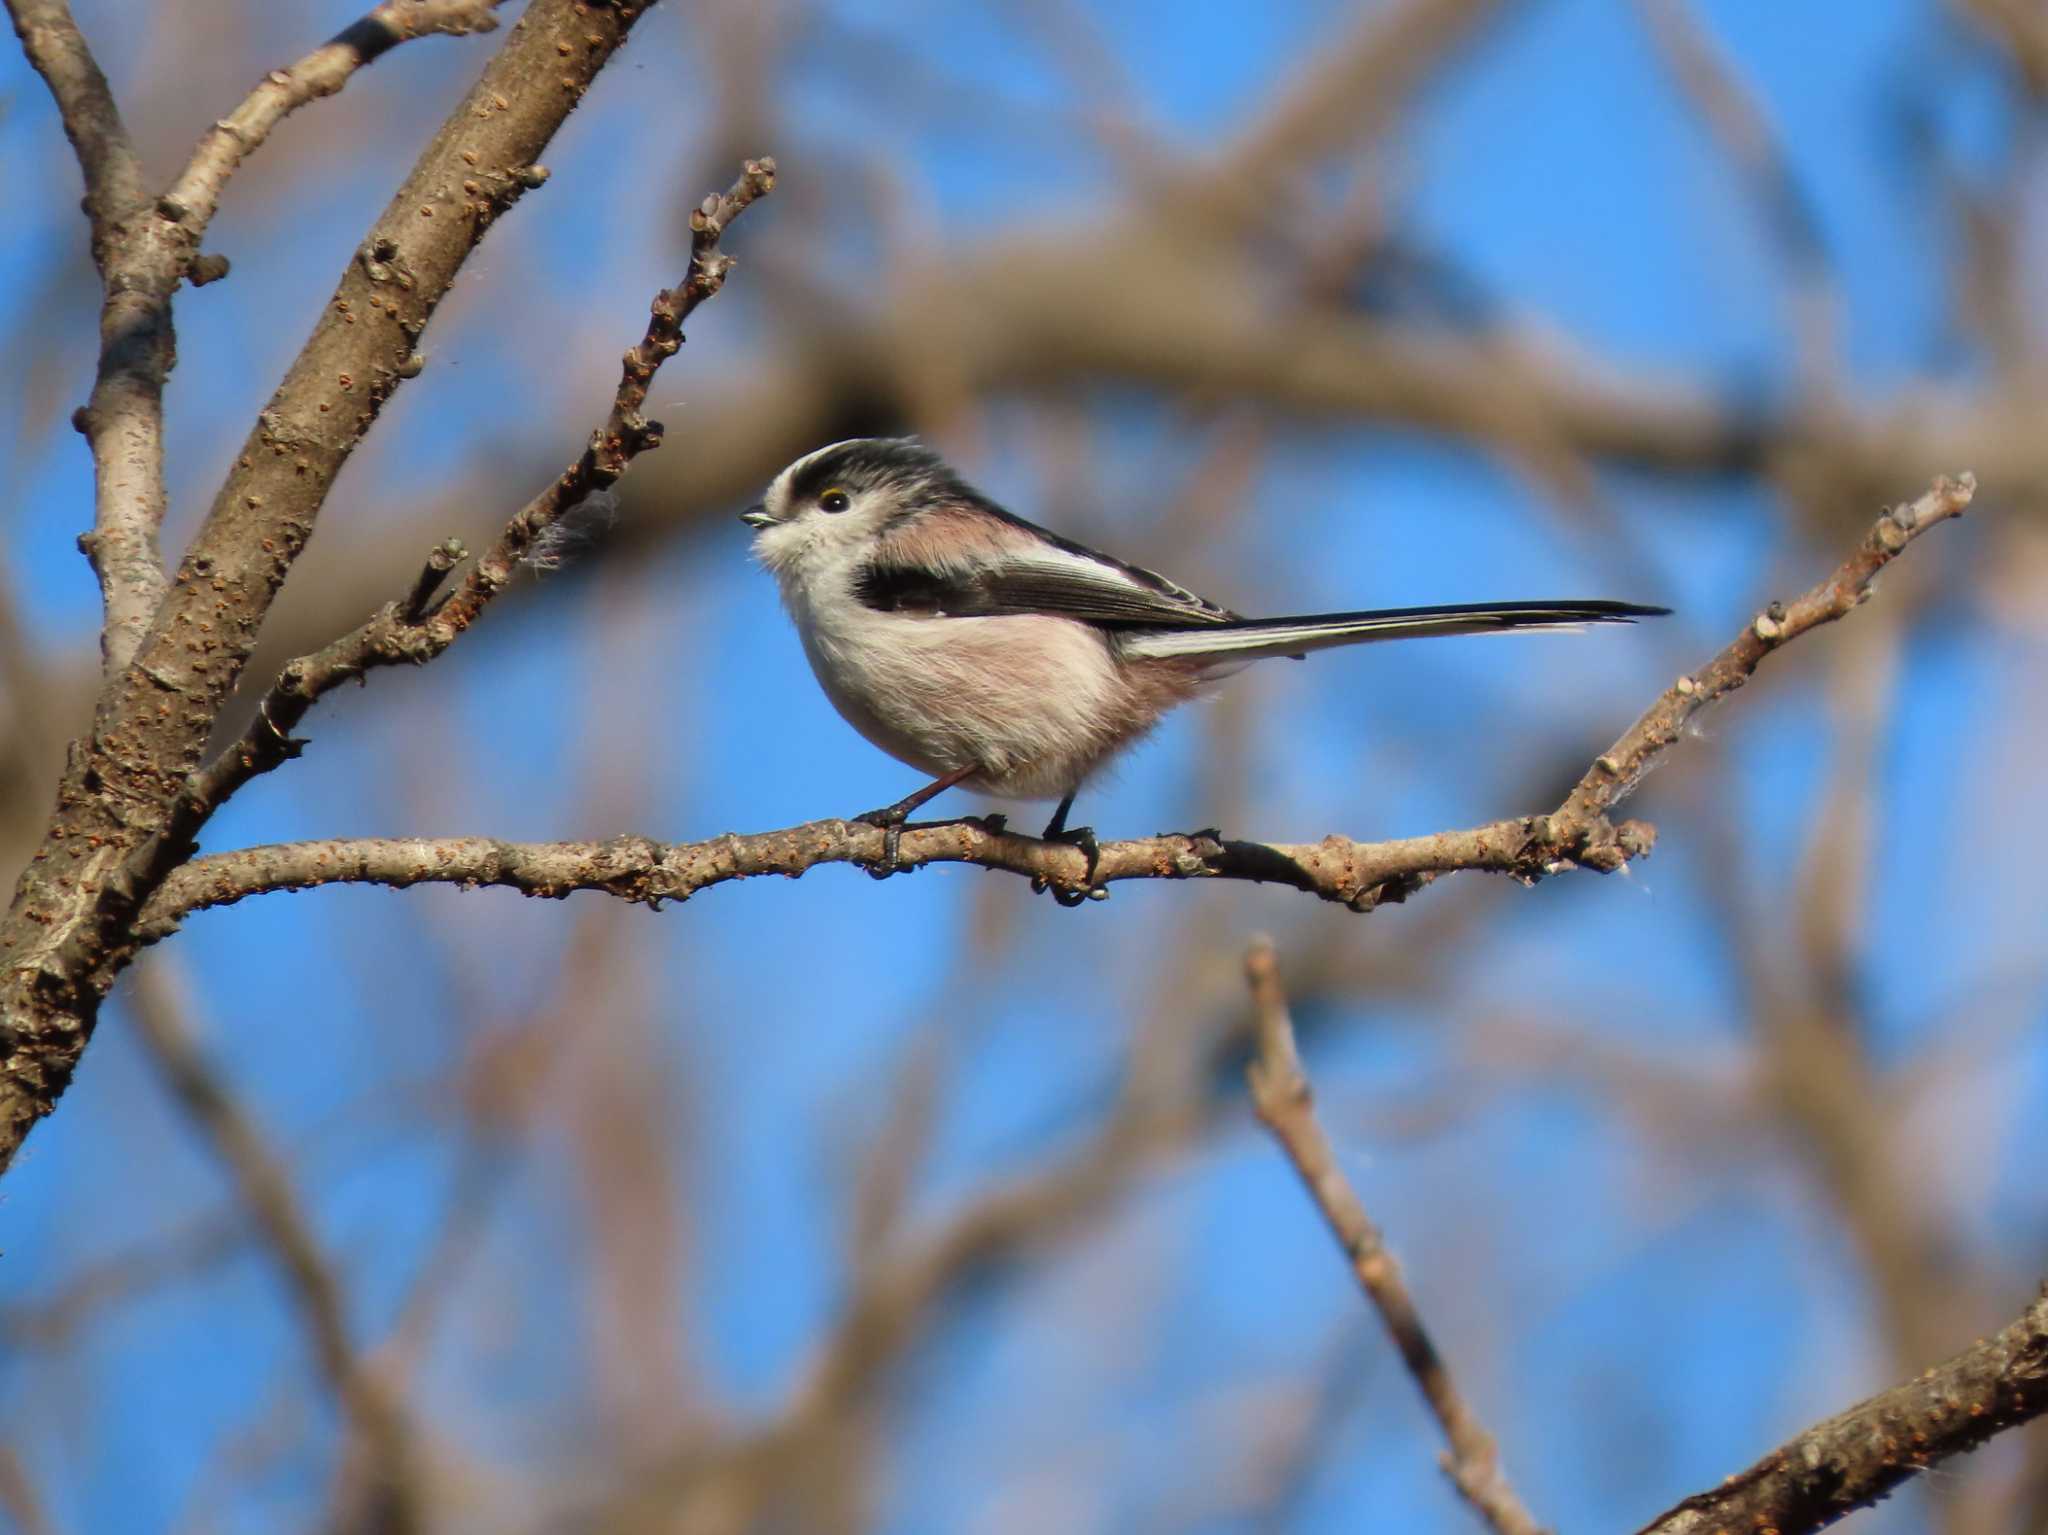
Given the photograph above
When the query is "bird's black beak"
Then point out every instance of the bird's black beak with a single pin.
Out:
(756, 516)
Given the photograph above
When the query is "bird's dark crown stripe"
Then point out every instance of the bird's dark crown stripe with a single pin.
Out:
(869, 462)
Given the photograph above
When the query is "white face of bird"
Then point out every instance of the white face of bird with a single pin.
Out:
(829, 504)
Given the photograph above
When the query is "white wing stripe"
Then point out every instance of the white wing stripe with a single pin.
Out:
(1280, 639)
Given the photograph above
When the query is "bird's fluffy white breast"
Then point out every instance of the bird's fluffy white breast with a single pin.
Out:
(1029, 701)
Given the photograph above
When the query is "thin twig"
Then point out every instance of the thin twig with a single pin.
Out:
(1286, 1106)
(194, 196)
(626, 433)
(408, 631)
(1617, 773)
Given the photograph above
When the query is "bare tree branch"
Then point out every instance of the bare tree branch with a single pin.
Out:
(1286, 1105)
(114, 187)
(1361, 875)
(1617, 773)
(123, 420)
(194, 196)
(67, 932)
(144, 250)
(1859, 1456)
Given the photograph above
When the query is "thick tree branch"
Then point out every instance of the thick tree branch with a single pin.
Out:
(1361, 875)
(1859, 1456)
(144, 248)
(478, 165)
(1286, 1106)
(68, 931)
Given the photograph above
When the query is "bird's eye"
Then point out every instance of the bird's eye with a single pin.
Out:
(835, 500)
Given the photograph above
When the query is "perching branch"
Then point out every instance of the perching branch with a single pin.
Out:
(1859, 1456)
(1361, 875)
(1286, 1106)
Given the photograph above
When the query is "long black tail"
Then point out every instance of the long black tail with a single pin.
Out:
(1252, 639)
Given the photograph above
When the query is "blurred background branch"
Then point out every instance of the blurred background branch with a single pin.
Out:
(932, 1207)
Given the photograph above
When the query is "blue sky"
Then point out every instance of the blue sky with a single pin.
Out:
(1638, 1307)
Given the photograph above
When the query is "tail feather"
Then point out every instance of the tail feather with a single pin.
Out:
(1252, 639)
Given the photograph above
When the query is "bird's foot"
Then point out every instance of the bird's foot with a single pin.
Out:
(1082, 837)
(891, 819)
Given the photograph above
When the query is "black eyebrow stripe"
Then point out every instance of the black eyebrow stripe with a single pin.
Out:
(867, 462)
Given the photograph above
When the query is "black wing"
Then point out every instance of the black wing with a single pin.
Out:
(1052, 575)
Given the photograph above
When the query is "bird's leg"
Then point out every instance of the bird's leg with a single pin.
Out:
(891, 817)
(1057, 826)
(1082, 837)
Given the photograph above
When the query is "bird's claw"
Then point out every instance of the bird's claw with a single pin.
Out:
(890, 820)
(1082, 837)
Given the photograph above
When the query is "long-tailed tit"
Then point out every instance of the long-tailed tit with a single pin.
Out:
(988, 652)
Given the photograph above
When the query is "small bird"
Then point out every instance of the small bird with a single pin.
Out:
(989, 652)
